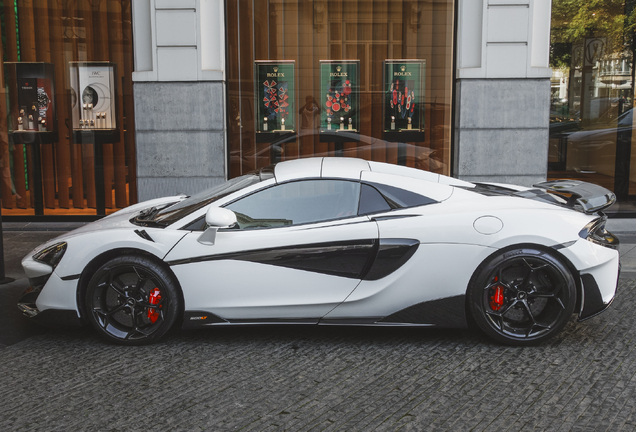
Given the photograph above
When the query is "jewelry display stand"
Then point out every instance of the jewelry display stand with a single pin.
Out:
(32, 121)
(94, 114)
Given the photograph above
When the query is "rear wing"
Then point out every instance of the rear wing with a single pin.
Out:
(579, 195)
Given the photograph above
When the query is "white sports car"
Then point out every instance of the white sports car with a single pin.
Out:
(336, 241)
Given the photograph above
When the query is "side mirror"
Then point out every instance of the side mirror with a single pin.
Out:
(215, 218)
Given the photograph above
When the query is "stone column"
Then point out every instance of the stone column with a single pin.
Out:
(502, 91)
(179, 92)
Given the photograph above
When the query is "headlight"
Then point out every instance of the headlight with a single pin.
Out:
(596, 233)
(51, 255)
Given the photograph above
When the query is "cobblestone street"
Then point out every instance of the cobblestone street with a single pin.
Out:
(324, 378)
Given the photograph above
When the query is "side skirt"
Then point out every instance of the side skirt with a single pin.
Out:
(447, 313)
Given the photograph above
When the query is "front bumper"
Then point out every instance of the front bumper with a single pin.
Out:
(49, 300)
(54, 317)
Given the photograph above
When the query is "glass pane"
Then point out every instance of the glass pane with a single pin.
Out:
(297, 203)
(51, 164)
(350, 106)
(592, 96)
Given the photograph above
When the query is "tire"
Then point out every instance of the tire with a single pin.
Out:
(522, 296)
(131, 300)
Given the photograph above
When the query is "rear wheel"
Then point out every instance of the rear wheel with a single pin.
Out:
(522, 297)
(131, 300)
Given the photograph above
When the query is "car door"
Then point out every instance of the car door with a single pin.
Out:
(298, 251)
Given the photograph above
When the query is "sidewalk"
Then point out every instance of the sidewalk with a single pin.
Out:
(625, 230)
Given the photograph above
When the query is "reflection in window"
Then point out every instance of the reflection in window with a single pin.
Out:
(592, 94)
(366, 32)
(297, 203)
(46, 169)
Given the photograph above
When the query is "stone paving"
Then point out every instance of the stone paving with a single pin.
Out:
(324, 378)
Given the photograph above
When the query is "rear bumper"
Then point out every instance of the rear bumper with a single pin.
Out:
(592, 303)
(599, 268)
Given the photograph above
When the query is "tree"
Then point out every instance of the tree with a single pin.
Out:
(575, 20)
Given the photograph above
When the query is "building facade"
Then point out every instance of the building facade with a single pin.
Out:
(148, 98)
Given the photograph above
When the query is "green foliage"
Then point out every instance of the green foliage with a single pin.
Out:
(575, 20)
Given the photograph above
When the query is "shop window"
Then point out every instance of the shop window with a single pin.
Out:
(67, 131)
(367, 79)
(592, 96)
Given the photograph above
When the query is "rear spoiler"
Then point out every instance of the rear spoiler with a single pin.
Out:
(582, 196)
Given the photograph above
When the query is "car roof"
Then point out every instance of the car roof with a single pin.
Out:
(344, 167)
(320, 167)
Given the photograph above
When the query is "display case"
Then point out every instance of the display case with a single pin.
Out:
(31, 115)
(94, 102)
(339, 99)
(275, 105)
(403, 104)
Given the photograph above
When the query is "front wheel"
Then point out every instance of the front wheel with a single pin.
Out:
(522, 297)
(131, 300)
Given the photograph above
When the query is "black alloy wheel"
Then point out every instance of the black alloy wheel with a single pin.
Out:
(523, 296)
(131, 300)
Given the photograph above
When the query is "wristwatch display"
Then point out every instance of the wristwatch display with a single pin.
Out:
(94, 83)
(31, 93)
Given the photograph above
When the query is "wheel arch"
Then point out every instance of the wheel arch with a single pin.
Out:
(555, 252)
(101, 259)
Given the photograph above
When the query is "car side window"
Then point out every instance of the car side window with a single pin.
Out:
(400, 198)
(372, 201)
(296, 203)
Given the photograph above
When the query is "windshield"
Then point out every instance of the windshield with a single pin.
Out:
(173, 213)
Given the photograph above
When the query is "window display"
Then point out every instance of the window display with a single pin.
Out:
(64, 62)
(93, 95)
(404, 96)
(31, 101)
(275, 98)
(340, 95)
(346, 55)
(32, 126)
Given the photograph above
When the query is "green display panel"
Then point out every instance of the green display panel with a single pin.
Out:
(275, 96)
(339, 95)
(404, 95)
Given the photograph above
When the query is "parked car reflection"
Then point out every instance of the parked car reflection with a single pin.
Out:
(594, 150)
(398, 153)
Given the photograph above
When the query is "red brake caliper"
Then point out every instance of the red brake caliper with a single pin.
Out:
(154, 298)
(497, 299)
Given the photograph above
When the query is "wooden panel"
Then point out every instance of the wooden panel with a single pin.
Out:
(129, 112)
(5, 163)
(19, 179)
(62, 148)
(102, 53)
(72, 51)
(246, 74)
(261, 52)
(26, 29)
(87, 52)
(233, 89)
(26, 25)
(85, 154)
(43, 52)
(115, 38)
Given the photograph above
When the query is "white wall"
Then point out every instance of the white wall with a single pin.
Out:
(503, 39)
(502, 91)
(179, 93)
(179, 40)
